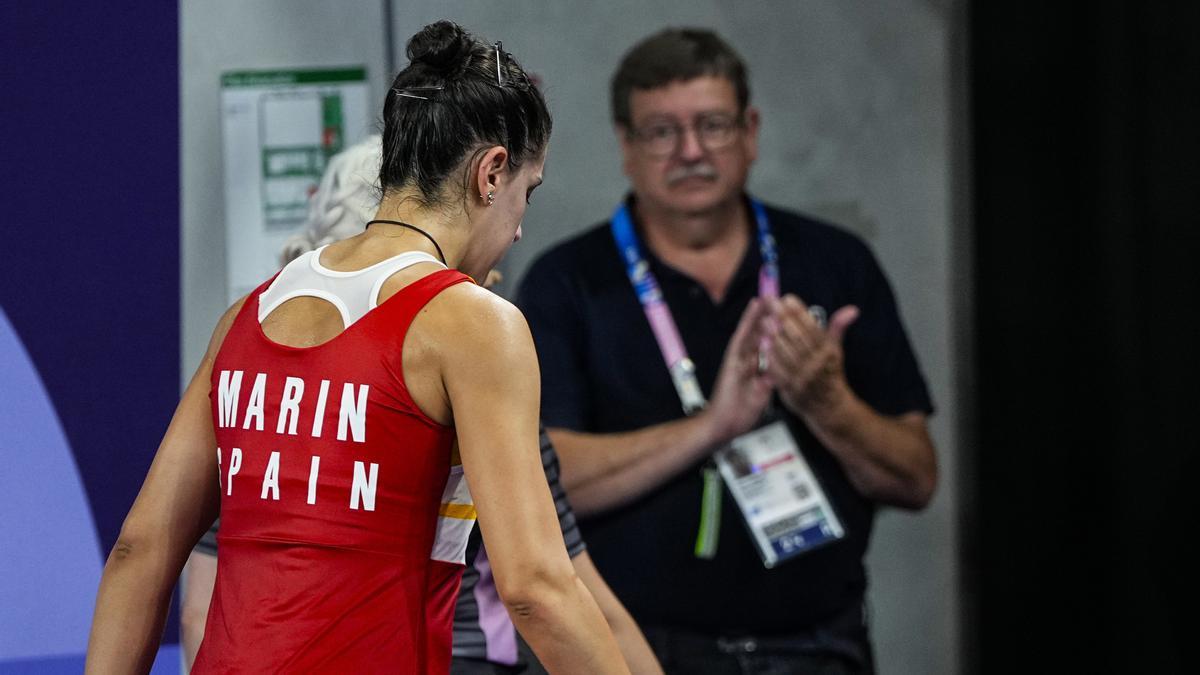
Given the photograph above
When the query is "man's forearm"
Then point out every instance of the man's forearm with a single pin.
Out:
(603, 471)
(888, 459)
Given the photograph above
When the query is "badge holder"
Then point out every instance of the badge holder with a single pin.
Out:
(782, 503)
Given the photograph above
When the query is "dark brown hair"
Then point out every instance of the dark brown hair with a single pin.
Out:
(457, 94)
(676, 55)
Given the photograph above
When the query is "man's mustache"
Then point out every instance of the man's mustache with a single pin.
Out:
(691, 171)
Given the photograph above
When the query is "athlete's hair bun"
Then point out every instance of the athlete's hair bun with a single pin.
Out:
(444, 47)
(448, 102)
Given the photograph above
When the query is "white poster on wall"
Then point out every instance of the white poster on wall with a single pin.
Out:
(279, 128)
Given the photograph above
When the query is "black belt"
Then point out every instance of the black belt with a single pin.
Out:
(843, 635)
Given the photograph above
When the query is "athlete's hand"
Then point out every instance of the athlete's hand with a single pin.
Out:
(741, 392)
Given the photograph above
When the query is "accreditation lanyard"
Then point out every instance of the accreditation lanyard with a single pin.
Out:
(666, 333)
(681, 368)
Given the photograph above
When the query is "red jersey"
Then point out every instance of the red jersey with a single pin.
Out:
(335, 491)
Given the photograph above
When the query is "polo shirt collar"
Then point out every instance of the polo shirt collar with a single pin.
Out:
(747, 271)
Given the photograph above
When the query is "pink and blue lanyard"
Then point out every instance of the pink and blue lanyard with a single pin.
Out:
(666, 333)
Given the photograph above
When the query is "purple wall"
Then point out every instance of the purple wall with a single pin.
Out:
(89, 279)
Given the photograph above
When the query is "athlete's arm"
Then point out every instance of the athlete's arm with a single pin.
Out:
(638, 655)
(179, 499)
(491, 380)
(603, 471)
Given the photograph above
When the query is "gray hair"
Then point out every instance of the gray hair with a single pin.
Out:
(347, 197)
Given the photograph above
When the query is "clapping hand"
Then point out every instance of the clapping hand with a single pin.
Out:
(742, 391)
(805, 361)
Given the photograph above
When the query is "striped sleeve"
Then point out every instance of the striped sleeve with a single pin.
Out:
(482, 629)
(566, 516)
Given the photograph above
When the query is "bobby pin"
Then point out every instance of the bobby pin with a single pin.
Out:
(401, 92)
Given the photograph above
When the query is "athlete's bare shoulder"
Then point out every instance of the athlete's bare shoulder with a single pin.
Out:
(466, 336)
(468, 318)
(223, 326)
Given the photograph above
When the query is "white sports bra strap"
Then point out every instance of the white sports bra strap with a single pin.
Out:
(352, 293)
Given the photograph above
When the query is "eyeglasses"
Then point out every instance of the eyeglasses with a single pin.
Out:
(714, 131)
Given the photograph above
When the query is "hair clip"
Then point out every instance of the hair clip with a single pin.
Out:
(499, 46)
(401, 91)
(523, 83)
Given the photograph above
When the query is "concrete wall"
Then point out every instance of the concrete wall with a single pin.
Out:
(856, 102)
(216, 36)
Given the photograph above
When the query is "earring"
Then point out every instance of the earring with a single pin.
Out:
(491, 197)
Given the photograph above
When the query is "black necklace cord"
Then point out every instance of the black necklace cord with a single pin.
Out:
(415, 229)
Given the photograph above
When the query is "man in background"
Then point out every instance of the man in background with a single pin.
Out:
(696, 318)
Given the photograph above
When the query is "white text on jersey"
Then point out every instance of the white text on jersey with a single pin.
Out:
(352, 409)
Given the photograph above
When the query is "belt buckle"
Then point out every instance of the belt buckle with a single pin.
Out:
(742, 645)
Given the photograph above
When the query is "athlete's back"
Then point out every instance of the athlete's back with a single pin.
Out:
(332, 481)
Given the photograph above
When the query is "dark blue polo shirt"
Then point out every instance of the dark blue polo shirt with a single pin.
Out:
(602, 372)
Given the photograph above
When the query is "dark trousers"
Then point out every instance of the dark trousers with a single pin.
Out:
(459, 666)
(840, 647)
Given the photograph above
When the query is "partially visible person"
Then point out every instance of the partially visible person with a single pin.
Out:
(345, 199)
(484, 638)
(342, 407)
(698, 317)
